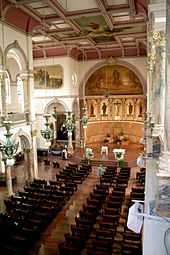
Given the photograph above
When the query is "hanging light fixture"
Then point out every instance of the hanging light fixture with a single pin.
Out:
(69, 123)
(84, 119)
(9, 148)
(47, 133)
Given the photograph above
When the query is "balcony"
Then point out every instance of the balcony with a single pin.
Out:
(16, 118)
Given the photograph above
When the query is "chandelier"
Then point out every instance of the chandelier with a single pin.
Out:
(47, 133)
(84, 119)
(69, 123)
(9, 148)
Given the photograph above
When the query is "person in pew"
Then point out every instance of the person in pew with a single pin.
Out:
(64, 153)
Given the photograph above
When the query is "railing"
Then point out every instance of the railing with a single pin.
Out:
(16, 118)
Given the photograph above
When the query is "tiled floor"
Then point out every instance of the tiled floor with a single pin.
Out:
(61, 224)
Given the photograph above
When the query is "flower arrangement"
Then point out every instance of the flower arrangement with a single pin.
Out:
(120, 138)
(107, 138)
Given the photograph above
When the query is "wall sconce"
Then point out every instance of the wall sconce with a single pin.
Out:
(47, 133)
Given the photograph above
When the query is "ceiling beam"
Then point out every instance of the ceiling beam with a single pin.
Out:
(57, 8)
(30, 13)
(106, 16)
(121, 45)
(21, 2)
(137, 47)
(132, 8)
(25, 9)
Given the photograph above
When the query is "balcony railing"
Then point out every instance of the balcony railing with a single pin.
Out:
(16, 118)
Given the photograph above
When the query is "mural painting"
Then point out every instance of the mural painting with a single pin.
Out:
(49, 77)
(114, 80)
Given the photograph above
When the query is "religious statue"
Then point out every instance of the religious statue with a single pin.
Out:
(91, 110)
(104, 109)
(130, 108)
(117, 108)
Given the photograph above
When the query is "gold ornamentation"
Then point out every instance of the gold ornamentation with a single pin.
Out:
(34, 132)
(151, 61)
(158, 36)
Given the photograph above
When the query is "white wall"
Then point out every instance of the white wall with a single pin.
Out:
(10, 35)
(70, 66)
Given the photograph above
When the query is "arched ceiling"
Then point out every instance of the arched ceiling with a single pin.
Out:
(97, 28)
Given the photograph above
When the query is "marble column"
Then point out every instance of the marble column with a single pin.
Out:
(77, 125)
(2, 165)
(3, 97)
(34, 154)
(9, 181)
(70, 143)
(84, 140)
(155, 102)
(29, 165)
(167, 93)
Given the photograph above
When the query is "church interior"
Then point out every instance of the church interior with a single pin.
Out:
(84, 127)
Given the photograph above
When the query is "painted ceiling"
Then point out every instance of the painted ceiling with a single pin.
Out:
(87, 29)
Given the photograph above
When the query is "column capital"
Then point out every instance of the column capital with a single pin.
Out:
(27, 74)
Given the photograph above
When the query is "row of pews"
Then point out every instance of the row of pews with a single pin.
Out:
(99, 222)
(95, 228)
(132, 242)
(28, 213)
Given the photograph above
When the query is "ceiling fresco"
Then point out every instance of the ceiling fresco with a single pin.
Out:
(113, 80)
(99, 28)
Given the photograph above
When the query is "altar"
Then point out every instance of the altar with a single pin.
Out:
(119, 154)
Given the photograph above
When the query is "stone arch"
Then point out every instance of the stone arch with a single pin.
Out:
(105, 63)
(53, 102)
(19, 52)
(24, 138)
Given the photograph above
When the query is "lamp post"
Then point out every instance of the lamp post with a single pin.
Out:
(8, 149)
(69, 124)
(84, 121)
(55, 117)
(47, 133)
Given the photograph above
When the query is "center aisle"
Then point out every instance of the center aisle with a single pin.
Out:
(61, 224)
